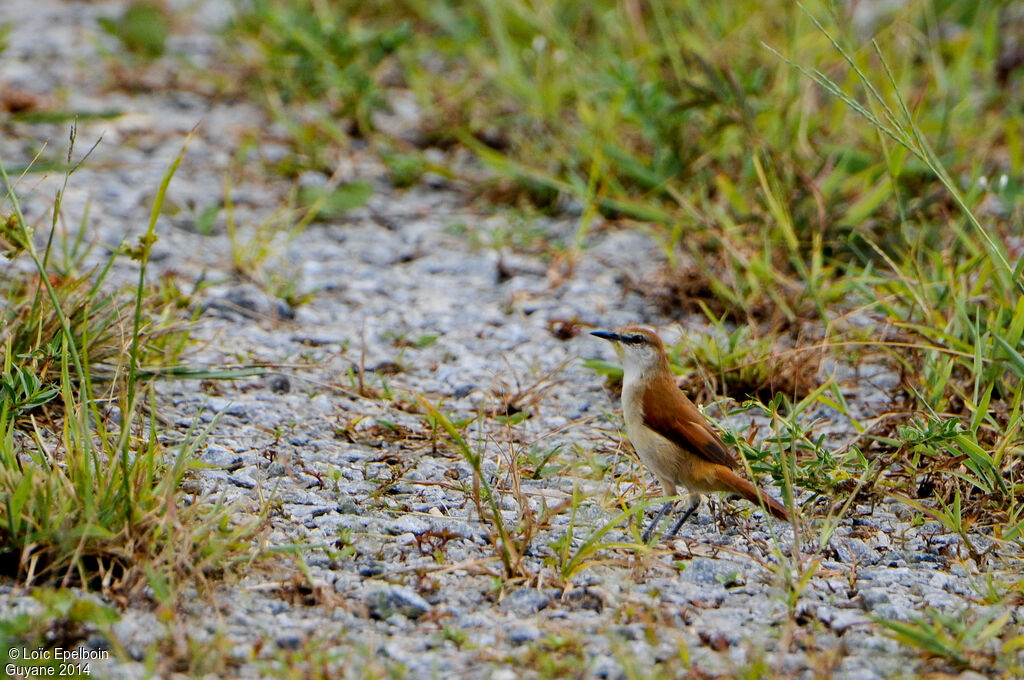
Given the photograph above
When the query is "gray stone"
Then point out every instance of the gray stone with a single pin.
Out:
(862, 674)
(289, 640)
(397, 621)
(707, 572)
(244, 479)
(279, 384)
(219, 406)
(972, 675)
(386, 601)
(407, 524)
(347, 506)
(873, 597)
(841, 620)
(215, 454)
(854, 551)
(604, 666)
(523, 632)
(526, 601)
(137, 631)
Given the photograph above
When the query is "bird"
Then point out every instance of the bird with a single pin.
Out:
(671, 437)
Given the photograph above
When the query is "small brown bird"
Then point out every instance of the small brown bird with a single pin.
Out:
(669, 434)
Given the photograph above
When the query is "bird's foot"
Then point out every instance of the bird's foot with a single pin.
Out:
(686, 515)
(646, 536)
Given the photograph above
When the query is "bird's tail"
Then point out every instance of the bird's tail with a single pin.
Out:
(731, 481)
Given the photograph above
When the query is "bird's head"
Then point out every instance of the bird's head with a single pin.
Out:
(640, 348)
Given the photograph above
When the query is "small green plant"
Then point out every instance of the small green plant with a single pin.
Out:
(573, 556)
(311, 50)
(142, 29)
(405, 168)
(556, 656)
(539, 461)
(965, 640)
(22, 391)
(325, 203)
(746, 362)
(454, 635)
(484, 497)
(205, 218)
(510, 540)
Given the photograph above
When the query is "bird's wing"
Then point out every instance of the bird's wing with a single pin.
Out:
(675, 418)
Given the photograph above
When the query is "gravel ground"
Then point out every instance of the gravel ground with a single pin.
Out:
(396, 289)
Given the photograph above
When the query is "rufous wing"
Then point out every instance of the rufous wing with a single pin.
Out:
(672, 415)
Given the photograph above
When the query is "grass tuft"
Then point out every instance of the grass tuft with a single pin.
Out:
(91, 492)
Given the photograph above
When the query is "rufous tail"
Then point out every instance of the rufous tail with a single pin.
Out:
(731, 481)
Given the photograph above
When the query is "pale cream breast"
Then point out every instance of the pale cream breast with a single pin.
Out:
(662, 456)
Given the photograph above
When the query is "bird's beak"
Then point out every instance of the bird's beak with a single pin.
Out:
(606, 335)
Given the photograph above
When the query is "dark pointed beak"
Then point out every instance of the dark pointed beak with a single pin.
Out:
(607, 335)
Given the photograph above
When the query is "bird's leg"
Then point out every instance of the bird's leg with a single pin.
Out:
(657, 518)
(694, 504)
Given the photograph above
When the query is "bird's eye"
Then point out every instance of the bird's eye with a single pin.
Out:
(636, 339)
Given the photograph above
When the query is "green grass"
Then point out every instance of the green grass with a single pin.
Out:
(90, 491)
(980, 641)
